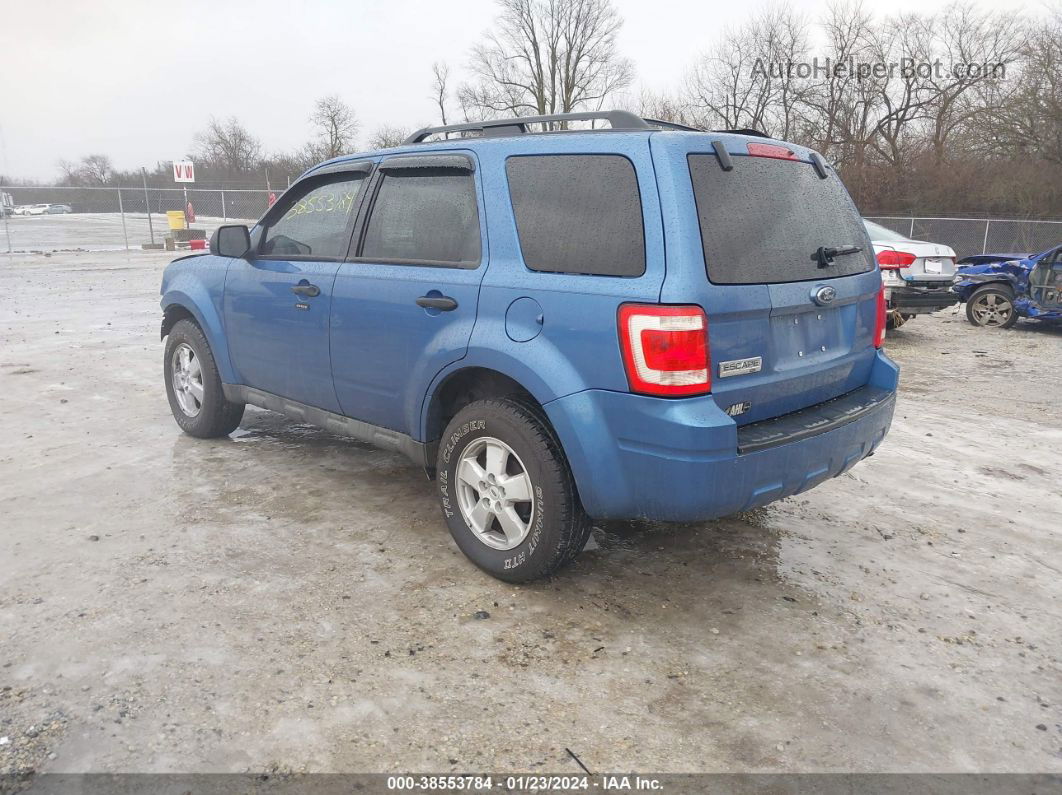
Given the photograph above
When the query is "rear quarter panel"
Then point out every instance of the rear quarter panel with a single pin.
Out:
(576, 346)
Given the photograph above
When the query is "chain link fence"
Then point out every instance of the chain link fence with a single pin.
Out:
(978, 235)
(105, 219)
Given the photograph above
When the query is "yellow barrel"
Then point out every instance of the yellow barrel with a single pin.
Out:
(176, 219)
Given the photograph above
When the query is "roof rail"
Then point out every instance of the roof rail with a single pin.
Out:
(672, 125)
(619, 119)
(746, 131)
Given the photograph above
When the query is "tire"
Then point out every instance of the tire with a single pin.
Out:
(196, 397)
(991, 306)
(513, 447)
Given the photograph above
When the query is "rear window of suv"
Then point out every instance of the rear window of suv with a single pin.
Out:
(763, 221)
(578, 213)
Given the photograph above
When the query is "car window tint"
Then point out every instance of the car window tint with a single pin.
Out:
(424, 215)
(316, 223)
(763, 221)
(578, 213)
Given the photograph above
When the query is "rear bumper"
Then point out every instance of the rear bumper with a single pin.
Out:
(679, 460)
(916, 300)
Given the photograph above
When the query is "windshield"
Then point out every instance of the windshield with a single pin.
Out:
(878, 232)
(766, 220)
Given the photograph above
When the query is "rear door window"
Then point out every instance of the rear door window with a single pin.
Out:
(578, 213)
(763, 221)
(424, 216)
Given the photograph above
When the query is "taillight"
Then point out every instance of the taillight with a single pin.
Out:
(665, 349)
(894, 260)
(772, 150)
(879, 323)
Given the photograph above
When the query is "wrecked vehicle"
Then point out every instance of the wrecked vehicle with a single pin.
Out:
(917, 275)
(997, 291)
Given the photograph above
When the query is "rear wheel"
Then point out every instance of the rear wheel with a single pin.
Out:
(991, 306)
(193, 385)
(507, 493)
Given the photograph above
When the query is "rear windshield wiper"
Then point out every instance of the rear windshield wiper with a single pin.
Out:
(825, 255)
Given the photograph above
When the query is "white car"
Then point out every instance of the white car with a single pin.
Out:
(38, 209)
(917, 275)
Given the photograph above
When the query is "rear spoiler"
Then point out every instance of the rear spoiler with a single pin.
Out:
(727, 164)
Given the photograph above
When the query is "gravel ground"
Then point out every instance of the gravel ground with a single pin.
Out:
(289, 600)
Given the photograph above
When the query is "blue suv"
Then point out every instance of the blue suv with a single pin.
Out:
(642, 321)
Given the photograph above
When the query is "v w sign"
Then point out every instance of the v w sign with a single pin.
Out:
(183, 171)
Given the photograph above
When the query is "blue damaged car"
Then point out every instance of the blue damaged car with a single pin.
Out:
(1000, 288)
(557, 325)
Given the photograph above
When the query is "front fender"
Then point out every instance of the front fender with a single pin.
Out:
(972, 281)
(191, 292)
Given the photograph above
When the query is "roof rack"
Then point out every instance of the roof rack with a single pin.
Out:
(745, 131)
(672, 125)
(619, 119)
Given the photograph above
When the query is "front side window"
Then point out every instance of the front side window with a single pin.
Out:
(424, 215)
(578, 213)
(316, 223)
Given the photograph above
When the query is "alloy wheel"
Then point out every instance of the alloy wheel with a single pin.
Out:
(992, 309)
(187, 379)
(494, 493)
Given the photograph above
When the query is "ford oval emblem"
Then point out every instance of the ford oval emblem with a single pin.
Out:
(823, 295)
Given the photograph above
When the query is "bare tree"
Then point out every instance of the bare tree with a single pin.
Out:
(662, 106)
(96, 169)
(68, 171)
(440, 87)
(90, 171)
(977, 49)
(1030, 120)
(830, 107)
(753, 77)
(388, 136)
(902, 95)
(228, 146)
(547, 56)
(335, 126)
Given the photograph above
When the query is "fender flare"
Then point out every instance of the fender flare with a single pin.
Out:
(207, 318)
(520, 371)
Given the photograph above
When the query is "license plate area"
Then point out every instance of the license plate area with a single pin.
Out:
(804, 338)
(933, 265)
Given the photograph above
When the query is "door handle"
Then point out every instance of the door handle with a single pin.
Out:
(443, 303)
(311, 290)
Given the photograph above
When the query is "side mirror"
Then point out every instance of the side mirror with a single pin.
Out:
(230, 241)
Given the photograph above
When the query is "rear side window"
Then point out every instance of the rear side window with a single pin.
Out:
(763, 221)
(316, 222)
(424, 215)
(578, 213)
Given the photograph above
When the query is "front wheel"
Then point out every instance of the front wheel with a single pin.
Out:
(507, 492)
(193, 385)
(991, 306)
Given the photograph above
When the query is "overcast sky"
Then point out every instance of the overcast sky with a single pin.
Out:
(135, 79)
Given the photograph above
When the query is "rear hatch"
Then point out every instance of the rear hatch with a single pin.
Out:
(789, 325)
